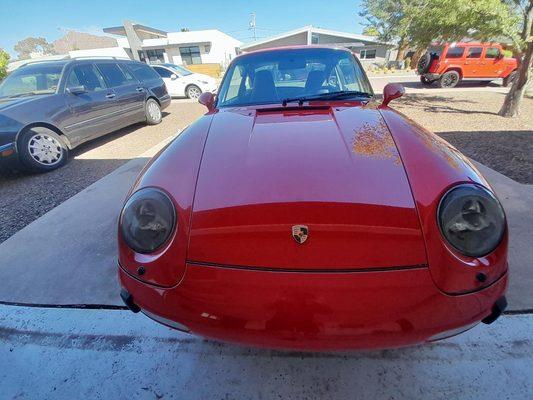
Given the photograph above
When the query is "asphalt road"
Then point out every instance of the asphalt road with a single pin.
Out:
(26, 197)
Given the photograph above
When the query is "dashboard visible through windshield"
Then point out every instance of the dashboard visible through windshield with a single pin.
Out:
(293, 74)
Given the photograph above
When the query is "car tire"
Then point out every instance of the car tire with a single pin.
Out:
(449, 79)
(41, 150)
(153, 112)
(425, 81)
(508, 81)
(424, 62)
(193, 92)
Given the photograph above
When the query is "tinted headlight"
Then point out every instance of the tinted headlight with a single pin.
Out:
(471, 219)
(147, 220)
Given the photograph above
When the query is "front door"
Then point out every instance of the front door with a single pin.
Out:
(472, 64)
(90, 111)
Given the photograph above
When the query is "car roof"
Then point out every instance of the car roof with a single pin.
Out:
(46, 63)
(66, 61)
(467, 44)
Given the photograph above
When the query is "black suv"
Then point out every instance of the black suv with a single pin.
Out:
(48, 108)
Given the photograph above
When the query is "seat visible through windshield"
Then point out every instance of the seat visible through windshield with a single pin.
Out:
(273, 76)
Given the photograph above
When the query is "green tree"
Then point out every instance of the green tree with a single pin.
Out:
(452, 20)
(371, 31)
(417, 23)
(4, 59)
(524, 45)
(32, 44)
(391, 19)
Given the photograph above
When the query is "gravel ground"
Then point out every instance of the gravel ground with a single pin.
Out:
(470, 122)
(25, 197)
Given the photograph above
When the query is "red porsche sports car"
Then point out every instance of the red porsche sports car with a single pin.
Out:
(303, 214)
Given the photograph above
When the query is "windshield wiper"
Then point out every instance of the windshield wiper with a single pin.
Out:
(327, 96)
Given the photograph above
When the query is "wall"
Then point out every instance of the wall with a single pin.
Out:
(381, 54)
(222, 49)
(108, 52)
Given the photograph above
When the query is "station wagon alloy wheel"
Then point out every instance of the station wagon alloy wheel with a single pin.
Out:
(154, 111)
(45, 149)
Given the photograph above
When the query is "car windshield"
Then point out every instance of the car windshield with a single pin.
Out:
(31, 80)
(179, 69)
(279, 76)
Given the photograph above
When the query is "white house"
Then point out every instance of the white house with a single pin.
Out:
(209, 46)
(368, 48)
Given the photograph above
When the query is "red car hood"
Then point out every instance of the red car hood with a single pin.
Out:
(335, 170)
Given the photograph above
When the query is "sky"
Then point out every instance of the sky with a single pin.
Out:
(52, 18)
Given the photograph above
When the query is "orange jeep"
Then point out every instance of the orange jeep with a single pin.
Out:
(449, 63)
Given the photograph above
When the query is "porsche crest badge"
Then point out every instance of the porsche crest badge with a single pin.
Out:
(300, 233)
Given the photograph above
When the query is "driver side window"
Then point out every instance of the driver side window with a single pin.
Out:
(88, 76)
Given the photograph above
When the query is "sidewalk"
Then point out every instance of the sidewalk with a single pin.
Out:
(98, 354)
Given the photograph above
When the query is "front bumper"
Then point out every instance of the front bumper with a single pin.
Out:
(312, 311)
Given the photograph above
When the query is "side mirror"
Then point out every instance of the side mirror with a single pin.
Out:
(499, 56)
(207, 99)
(390, 92)
(77, 90)
(173, 77)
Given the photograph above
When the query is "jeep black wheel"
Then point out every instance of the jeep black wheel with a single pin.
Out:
(449, 79)
(424, 63)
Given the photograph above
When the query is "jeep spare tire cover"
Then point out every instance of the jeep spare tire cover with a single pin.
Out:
(423, 63)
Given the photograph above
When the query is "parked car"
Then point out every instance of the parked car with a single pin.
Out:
(306, 215)
(184, 83)
(49, 108)
(448, 64)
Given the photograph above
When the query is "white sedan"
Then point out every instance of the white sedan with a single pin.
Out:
(181, 82)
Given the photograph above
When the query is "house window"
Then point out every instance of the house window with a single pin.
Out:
(190, 55)
(367, 54)
(207, 48)
(153, 55)
(314, 38)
